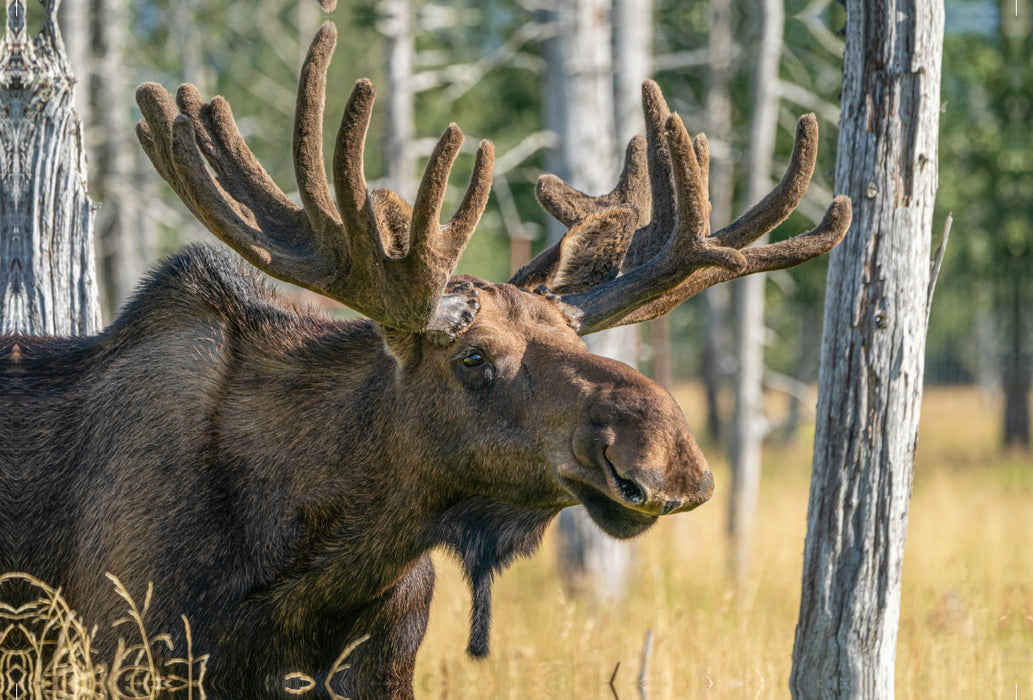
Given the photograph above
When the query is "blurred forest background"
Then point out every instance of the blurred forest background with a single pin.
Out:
(485, 65)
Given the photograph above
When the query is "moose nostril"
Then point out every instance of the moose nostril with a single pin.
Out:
(671, 505)
(630, 491)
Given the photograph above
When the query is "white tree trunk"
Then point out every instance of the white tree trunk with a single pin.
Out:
(748, 422)
(123, 235)
(872, 355)
(722, 194)
(401, 131)
(579, 107)
(74, 20)
(47, 283)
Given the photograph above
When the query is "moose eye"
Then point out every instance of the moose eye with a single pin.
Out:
(474, 359)
(474, 370)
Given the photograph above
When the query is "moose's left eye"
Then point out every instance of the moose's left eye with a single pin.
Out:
(474, 359)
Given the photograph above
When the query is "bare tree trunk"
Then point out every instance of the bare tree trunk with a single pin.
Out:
(872, 355)
(807, 346)
(401, 131)
(124, 247)
(748, 422)
(579, 107)
(47, 283)
(722, 194)
(74, 20)
(1016, 372)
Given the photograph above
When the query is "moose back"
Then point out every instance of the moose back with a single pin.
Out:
(280, 476)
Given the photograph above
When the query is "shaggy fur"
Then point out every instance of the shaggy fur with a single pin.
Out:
(280, 477)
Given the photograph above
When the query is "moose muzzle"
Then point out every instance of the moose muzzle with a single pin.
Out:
(636, 457)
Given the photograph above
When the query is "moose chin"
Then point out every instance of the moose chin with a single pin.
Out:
(280, 476)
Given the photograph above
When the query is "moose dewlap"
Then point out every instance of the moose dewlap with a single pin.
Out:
(281, 476)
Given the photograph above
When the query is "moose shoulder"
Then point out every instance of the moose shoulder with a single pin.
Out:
(281, 476)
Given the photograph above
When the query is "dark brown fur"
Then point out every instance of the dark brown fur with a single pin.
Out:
(280, 477)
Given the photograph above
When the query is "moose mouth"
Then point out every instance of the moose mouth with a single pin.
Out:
(614, 519)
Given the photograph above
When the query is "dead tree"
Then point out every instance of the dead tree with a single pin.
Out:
(47, 283)
(872, 356)
(748, 421)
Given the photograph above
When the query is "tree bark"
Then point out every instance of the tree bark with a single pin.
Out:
(1017, 370)
(47, 283)
(748, 421)
(722, 195)
(125, 240)
(401, 130)
(872, 357)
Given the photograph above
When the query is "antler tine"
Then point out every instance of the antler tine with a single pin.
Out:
(238, 171)
(674, 257)
(763, 258)
(309, 168)
(570, 206)
(349, 177)
(778, 204)
(157, 108)
(379, 256)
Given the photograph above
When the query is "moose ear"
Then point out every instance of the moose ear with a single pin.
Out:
(590, 253)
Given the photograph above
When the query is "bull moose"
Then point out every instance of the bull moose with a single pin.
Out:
(280, 475)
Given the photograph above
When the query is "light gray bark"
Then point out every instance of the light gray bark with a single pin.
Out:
(124, 234)
(396, 25)
(47, 283)
(722, 194)
(579, 107)
(74, 20)
(872, 356)
(748, 421)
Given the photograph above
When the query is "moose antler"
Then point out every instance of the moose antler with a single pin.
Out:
(675, 256)
(375, 254)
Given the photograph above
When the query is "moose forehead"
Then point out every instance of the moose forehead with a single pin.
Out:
(507, 309)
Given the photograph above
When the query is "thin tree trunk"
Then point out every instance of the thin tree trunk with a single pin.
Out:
(872, 356)
(123, 246)
(74, 20)
(47, 283)
(579, 107)
(401, 130)
(187, 44)
(806, 354)
(722, 194)
(748, 422)
(1016, 373)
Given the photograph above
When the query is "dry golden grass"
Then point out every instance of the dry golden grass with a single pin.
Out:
(46, 651)
(966, 626)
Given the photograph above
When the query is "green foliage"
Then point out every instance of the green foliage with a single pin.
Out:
(986, 176)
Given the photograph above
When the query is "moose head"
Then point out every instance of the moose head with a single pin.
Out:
(331, 456)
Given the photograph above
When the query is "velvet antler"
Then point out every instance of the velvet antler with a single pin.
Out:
(374, 253)
(674, 255)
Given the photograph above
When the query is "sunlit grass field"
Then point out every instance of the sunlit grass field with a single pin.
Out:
(966, 628)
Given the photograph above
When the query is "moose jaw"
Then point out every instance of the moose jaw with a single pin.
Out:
(281, 476)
